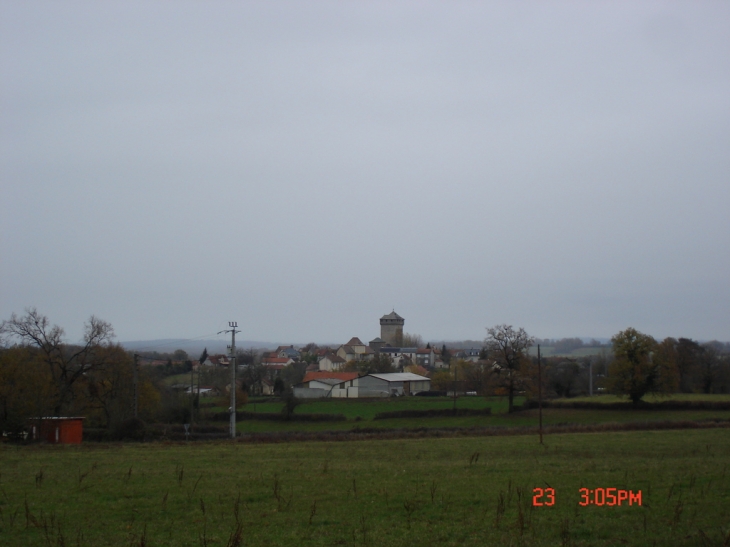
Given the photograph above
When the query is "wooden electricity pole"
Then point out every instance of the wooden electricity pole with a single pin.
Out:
(232, 364)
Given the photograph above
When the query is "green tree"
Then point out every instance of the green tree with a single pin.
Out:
(470, 376)
(445, 354)
(279, 386)
(666, 358)
(566, 346)
(689, 362)
(709, 369)
(442, 380)
(67, 365)
(292, 374)
(636, 370)
(253, 376)
(25, 388)
(562, 376)
(508, 348)
(380, 363)
(290, 403)
(109, 390)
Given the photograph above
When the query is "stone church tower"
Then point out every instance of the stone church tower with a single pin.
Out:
(391, 329)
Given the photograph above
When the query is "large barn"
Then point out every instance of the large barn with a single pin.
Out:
(345, 385)
(382, 385)
(318, 384)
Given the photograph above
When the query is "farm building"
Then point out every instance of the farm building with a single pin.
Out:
(204, 391)
(58, 430)
(382, 385)
(319, 384)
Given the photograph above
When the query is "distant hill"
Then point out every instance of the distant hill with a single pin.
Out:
(552, 351)
(457, 344)
(193, 347)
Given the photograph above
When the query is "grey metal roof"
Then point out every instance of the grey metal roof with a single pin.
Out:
(328, 381)
(400, 377)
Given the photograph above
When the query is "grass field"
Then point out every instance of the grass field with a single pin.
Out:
(183, 378)
(458, 491)
(650, 398)
(367, 409)
(522, 419)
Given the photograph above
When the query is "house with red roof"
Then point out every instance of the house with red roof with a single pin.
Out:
(318, 375)
(316, 385)
(276, 363)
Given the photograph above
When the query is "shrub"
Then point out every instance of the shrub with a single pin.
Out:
(641, 405)
(434, 413)
(132, 429)
(431, 394)
(279, 417)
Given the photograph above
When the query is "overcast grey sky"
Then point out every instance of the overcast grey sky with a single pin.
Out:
(305, 167)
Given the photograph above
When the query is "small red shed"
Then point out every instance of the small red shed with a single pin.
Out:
(58, 430)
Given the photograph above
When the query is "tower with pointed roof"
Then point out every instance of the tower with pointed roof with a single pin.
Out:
(391, 329)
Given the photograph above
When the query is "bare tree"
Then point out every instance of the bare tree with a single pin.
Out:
(508, 347)
(411, 340)
(67, 364)
(253, 375)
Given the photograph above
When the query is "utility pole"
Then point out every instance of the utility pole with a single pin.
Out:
(232, 364)
(539, 387)
(136, 382)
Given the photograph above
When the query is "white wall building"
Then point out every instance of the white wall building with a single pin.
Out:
(382, 385)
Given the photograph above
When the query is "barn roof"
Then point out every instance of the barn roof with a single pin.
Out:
(320, 375)
(400, 377)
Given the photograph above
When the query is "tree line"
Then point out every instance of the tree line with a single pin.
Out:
(42, 375)
(633, 365)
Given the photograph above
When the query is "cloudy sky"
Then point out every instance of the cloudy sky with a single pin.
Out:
(305, 167)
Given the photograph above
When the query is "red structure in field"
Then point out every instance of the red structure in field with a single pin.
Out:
(60, 430)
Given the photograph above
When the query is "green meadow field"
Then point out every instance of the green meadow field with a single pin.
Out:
(452, 491)
(366, 410)
(651, 398)
(458, 490)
